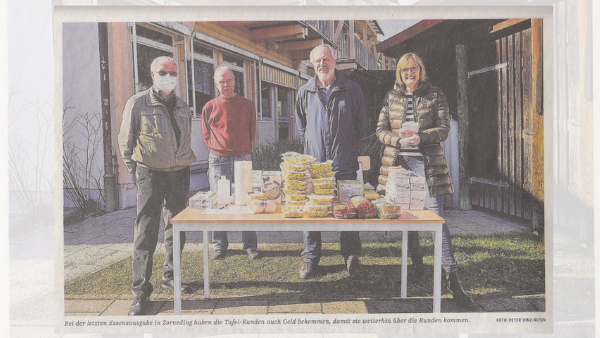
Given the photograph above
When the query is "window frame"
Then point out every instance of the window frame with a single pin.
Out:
(149, 43)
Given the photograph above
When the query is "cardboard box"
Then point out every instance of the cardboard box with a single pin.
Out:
(417, 206)
(203, 200)
(398, 197)
(349, 188)
(394, 172)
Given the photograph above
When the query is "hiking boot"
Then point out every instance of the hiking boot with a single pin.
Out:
(169, 284)
(353, 265)
(219, 254)
(458, 294)
(253, 254)
(308, 270)
(139, 306)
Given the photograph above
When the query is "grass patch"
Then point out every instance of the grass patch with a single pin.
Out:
(509, 264)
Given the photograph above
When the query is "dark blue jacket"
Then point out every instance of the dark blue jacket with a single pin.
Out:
(331, 130)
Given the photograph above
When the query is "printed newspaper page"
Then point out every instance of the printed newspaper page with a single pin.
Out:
(240, 128)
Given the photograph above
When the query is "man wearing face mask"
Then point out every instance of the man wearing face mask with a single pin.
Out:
(331, 117)
(155, 144)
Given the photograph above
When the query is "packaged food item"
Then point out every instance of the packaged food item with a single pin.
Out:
(203, 200)
(291, 211)
(344, 211)
(371, 195)
(388, 211)
(324, 175)
(321, 168)
(296, 175)
(296, 203)
(294, 167)
(294, 198)
(317, 213)
(287, 192)
(257, 195)
(330, 191)
(325, 181)
(364, 207)
(295, 185)
(308, 207)
(257, 206)
(270, 207)
(321, 199)
(272, 185)
(349, 188)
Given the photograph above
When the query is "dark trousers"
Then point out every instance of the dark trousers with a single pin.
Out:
(350, 244)
(158, 192)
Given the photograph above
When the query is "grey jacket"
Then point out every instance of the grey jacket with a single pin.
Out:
(147, 137)
(331, 130)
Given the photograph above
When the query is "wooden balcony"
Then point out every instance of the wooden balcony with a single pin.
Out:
(360, 56)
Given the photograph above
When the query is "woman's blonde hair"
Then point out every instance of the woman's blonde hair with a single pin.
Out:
(406, 61)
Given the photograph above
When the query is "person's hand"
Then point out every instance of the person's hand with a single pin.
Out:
(415, 140)
(406, 133)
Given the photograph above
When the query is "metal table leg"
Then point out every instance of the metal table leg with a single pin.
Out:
(404, 271)
(437, 272)
(177, 268)
(206, 274)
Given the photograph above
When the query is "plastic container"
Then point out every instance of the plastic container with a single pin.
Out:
(223, 191)
(388, 211)
(344, 211)
(290, 211)
(321, 199)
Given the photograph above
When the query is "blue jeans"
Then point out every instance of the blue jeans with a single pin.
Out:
(435, 204)
(350, 244)
(223, 166)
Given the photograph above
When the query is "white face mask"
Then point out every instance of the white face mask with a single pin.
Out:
(166, 83)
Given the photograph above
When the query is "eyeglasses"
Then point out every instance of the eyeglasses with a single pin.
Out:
(411, 69)
(163, 73)
(222, 82)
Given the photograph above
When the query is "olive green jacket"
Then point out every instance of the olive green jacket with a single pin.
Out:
(147, 137)
(432, 113)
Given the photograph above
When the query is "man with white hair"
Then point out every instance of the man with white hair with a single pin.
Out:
(228, 129)
(331, 118)
(155, 144)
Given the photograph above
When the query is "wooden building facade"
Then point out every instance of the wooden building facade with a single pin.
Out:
(491, 74)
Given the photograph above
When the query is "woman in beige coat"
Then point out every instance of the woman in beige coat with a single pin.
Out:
(413, 122)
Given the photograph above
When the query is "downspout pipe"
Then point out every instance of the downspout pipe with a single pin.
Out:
(111, 193)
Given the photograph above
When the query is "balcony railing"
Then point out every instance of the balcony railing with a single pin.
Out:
(362, 55)
(324, 27)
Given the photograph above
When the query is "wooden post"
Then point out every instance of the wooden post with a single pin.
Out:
(538, 125)
(463, 127)
(351, 39)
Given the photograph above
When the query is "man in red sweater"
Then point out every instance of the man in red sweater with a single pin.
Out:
(228, 129)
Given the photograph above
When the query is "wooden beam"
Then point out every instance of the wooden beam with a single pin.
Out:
(233, 23)
(338, 30)
(279, 33)
(463, 127)
(506, 24)
(299, 45)
(299, 55)
(406, 34)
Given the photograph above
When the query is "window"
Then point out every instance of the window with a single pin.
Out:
(284, 110)
(204, 89)
(265, 102)
(150, 44)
